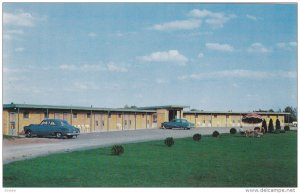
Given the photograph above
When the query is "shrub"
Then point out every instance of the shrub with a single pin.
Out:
(197, 137)
(277, 124)
(282, 131)
(286, 128)
(271, 126)
(215, 134)
(264, 125)
(256, 128)
(277, 131)
(232, 131)
(169, 141)
(117, 150)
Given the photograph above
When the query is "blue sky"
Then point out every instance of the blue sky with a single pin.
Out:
(239, 57)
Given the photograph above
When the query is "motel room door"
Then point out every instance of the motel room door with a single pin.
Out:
(127, 122)
(12, 124)
(99, 122)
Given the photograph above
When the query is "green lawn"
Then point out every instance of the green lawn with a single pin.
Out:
(227, 161)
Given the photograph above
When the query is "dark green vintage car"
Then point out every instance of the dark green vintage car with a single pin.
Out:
(178, 123)
(52, 127)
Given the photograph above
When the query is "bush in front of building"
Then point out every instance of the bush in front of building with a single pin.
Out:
(271, 126)
(232, 131)
(277, 131)
(264, 126)
(215, 134)
(197, 137)
(169, 141)
(286, 128)
(278, 127)
(117, 150)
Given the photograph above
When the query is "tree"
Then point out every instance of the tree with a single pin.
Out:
(271, 126)
(264, 125)
(292, 116)
(278, 127)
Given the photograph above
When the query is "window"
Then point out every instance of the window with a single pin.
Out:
(204, 121)
(57, 115)
(25, 115)
(154, 118)
(119, 115)
(129, 122)
(143, 115)
(65, 116)
(88, 115)
(227, 116)
(233, 121)
(44, 123)
(96, 123)
(196, 116)
(74, 115)
(215, 116)
(52, 123)
(125, 122)
(46, 115)
(102, 122)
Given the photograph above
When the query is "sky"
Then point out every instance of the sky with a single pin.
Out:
(213, 57)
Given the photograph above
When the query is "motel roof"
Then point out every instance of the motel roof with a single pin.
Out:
(164, 107)
(32, 106)
(139, 109)
(235, 113)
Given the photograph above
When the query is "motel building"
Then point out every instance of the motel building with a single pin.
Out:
(93, 119)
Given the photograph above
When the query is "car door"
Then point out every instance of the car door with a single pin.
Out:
(176, 123)
(41, 129)
(53, 127)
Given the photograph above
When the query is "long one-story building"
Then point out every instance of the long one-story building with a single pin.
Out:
(93, 119)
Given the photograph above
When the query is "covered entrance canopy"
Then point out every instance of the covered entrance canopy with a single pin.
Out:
(166, 112)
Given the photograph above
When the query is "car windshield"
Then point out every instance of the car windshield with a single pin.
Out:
(44, 123)
(183, 120)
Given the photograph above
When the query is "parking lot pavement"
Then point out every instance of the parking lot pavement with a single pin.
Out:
(22, 151)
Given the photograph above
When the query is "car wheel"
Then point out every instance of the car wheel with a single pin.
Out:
(28, 134)
(70, 136)
(58, 135)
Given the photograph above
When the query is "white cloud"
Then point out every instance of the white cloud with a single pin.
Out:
(213, 19)
(94, 67)
(12, 34)
(258, 48)
(200, 55)
(178, 25)
(19, 49)
(115, 68)
(251, 17)
(286, 45)
(293, 44)
(161, 81)
(240, 73)
(171, 56)
(219, 47)
(92, 34)
(20, 18)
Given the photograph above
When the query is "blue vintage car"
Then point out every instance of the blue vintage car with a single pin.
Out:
(51, 127)
(178, 123)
